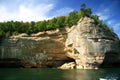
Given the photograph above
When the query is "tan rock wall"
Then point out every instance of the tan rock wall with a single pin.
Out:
(44, 48)
(85, 45)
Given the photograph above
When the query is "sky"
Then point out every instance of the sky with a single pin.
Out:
(36, 10)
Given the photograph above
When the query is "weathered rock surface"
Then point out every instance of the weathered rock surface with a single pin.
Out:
(83, 46)
(70, 65)
(91, 45)
(44, 49)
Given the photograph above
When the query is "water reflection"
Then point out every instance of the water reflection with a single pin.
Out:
(88, 74)
(54, 74)
(83, 74)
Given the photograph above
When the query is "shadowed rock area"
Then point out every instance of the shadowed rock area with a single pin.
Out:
(44, 49)
(83, 46)
(91, 45)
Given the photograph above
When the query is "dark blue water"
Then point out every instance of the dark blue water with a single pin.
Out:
(54, 74)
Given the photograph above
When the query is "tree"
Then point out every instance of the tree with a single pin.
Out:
(96, 18)
(73, 18)
(104, 26)
(15, 33)
(41, 25)
(60, 22)
(111, 29)
(83, 6)
(7, 34)
(1, 33)
(13, 28)
(88, 12)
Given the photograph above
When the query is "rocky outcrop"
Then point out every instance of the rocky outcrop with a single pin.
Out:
(44, 49)
(91, 45)
(70, 65)
(83, 46)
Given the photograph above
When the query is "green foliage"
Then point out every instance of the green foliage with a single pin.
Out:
(112, 29)
(60, 22)
(88, 12)
(96, 19)
(40, 26)
(14, 28)
(73, 18)
(84, 12)
(83, 6)
(100, 23)
(8, 34)
(51, 24)
(1, 33)
(15, 33)
(104, 26)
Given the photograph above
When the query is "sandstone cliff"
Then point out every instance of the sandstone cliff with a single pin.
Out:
(91, 45)
(85, 45)
(44, 49)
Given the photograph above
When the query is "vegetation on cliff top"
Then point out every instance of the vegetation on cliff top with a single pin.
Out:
(14, 27)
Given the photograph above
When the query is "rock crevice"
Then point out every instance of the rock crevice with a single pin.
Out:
(88, 44)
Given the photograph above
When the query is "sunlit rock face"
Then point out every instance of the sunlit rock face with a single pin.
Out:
(44, 49)
(90, 44)
(86, 45)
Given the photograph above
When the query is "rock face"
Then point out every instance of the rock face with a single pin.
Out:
(44, 49)
(91, 45)
(70, 65)
(83, 46)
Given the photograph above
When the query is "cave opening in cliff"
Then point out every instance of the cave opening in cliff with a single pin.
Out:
(10, 63)
(110, 60)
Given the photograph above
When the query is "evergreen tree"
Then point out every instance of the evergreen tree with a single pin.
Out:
(83, 6)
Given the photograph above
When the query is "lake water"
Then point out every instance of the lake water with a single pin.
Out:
(54, 74)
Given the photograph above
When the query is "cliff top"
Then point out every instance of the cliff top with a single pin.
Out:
(84, 15)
